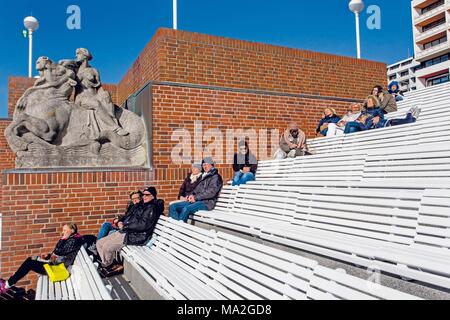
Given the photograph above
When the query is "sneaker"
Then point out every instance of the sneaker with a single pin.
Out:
(415, 112)
(3, 286)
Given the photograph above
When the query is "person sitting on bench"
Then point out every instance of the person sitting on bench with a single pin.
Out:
(337, 129)
(330, 117)
(65, 252)
(189, 184)
(292, 143)
(205, 195)
(244, 165)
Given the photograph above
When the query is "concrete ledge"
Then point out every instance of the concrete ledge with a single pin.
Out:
(76, 170)
(143, 289)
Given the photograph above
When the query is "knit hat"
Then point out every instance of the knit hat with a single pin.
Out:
(152, 190)
(209, 160)
(197, 166)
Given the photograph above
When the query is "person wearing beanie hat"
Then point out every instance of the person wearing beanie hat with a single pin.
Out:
(203, 197)
(244, 165)
(152, 190)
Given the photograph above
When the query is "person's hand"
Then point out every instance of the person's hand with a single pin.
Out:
(341, 123)
(376, 120)
(246, 170)
(120, 225)
(191, 199)
(325, 125)
(53, 258)
(43, 256)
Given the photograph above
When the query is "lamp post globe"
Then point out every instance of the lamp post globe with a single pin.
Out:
(356, 6)
(31, 23)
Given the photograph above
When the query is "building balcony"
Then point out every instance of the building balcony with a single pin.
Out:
(418, 20)
(421, 54)
(432, 32)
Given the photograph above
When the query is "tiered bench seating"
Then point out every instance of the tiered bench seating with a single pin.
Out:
(84, 283)
(187, 262)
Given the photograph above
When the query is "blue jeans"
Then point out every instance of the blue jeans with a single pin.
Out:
(106, 230)
(352, 127)
(242, 178)
(397, 122)
(182, 210)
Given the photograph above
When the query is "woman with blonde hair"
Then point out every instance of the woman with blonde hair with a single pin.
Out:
(353, 113)
(329, 117)
(370, 117)
(65, 253)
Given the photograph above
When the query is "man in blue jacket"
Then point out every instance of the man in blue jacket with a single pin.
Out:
(204, 196)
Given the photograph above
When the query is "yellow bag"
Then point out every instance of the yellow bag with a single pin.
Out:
(57, 273)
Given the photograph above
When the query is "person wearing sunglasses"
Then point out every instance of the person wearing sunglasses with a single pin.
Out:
(293, 143)
(135, 229)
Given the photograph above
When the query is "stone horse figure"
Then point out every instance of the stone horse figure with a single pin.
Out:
(44, 110)
(68, 119)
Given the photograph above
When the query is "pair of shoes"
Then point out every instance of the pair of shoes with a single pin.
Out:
(415, 112)
(3, 288)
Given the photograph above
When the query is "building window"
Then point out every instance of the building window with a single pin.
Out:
(392, 77)
(433, 6)
(438, 80)
(434, 61)
(435, 42)
(404, 73)
(434, 24)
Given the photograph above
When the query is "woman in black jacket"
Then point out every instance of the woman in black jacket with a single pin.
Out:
(65, 252)
(190, 183)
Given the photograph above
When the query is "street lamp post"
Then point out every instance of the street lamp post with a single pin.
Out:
(357, 6)
(31, 24)
(175, 15)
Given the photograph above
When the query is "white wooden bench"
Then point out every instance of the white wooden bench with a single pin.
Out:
(365, 226)
(84, 283)
(187, 262)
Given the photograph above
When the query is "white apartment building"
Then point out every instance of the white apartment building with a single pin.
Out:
(431, 29)
(404, 72)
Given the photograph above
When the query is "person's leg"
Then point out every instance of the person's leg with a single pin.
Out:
(104, 230)
(109, 246)
(397, 122)
(237, 178)
(191, 209)
(292, 154)
(332, 129)
(280, 155)
(352, 127)
(324, 132)
(247, 177)
(25, 268)
(176, 208)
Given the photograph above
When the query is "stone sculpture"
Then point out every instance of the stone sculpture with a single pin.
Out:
(67, 119)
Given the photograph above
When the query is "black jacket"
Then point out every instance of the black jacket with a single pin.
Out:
(66, 250)
(209, 188)
(187, 188)
(141, 221)
(249, 160)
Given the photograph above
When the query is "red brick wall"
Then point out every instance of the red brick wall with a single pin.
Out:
(18, 85)
(194, 58)
(36, 205)
(177, 107)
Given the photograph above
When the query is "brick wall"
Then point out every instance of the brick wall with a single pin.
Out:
(18, 85)
(178, 107)
(194, 58)
(37, 204)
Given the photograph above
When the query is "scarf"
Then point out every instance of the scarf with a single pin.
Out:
(195, 177)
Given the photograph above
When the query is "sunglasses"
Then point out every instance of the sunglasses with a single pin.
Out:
(147, 194)
(294, 131)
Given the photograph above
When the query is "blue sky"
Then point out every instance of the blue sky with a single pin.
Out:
(116, 31)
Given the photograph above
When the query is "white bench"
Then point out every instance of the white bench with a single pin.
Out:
(84, 283)
(365, 226)
(187, 262)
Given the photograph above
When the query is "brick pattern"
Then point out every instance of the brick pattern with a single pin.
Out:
(179, 107)
(18, 85)
(36, 205)
(194, 58)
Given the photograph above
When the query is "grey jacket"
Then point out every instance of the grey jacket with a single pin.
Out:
(388, 104)
(208, 190)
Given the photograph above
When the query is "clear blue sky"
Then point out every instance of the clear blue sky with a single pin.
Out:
(116, 31)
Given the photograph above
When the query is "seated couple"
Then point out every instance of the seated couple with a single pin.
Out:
(199, 191)
(135, 228)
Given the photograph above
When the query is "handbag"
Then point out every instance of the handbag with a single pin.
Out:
(57, 273)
